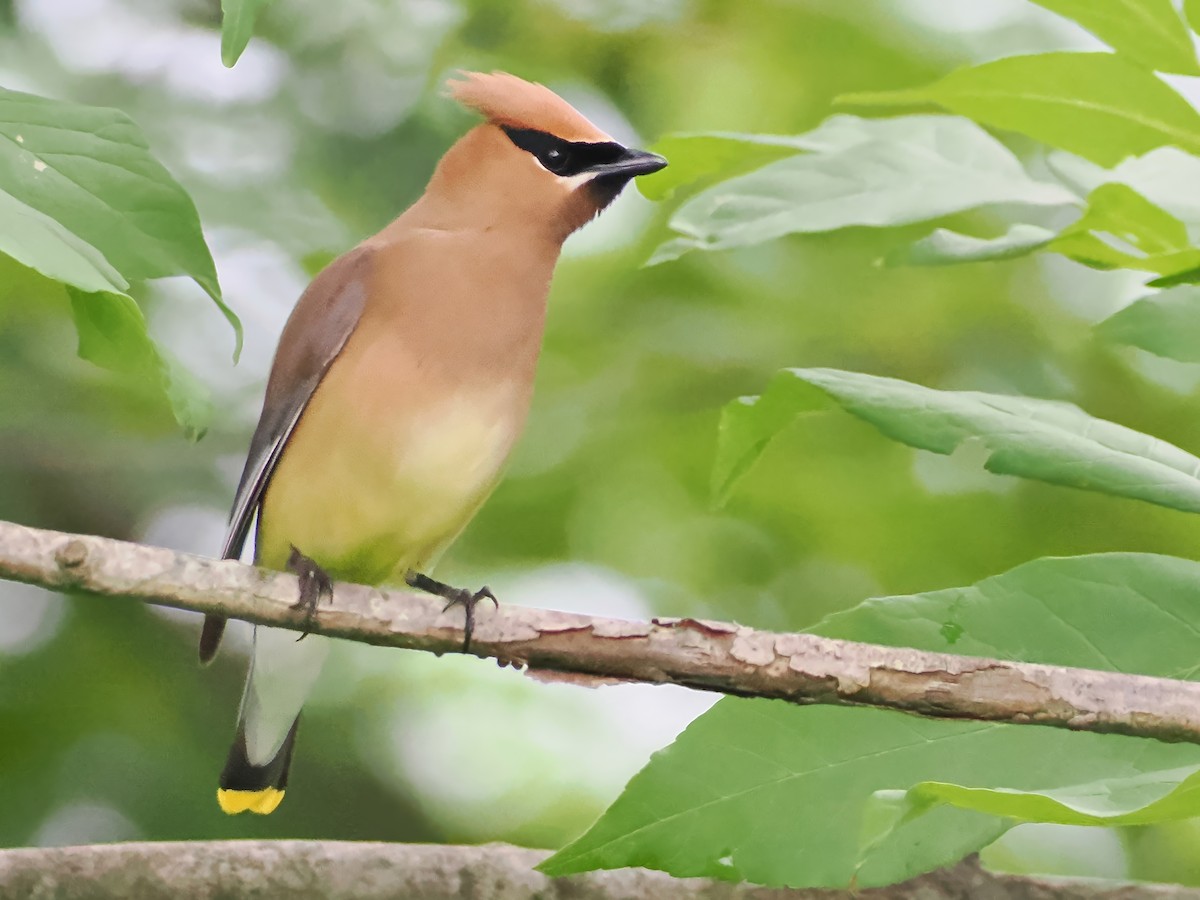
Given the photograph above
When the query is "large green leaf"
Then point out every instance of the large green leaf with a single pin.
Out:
(1097, 105)
(113, 335)
(1119, 229)
(1041, 439)
(1164, 795)
(944, 248)
(39, 242)
(1166, 324)
(1122, 229)
(736, 795)
(237, 27)
(1149, 32)
(1191, 9)
(83, 203)
(702, 156)
(1167, 176)
(697, 157)
(89, 170)
(861, 172)
(1120, 211)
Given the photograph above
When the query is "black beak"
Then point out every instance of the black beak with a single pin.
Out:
(630, 163)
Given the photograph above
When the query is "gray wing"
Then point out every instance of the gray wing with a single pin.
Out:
(318, 328)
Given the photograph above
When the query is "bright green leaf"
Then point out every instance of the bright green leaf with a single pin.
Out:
(699, 157)
(1147, 799)
(1122, 229)
(1148, 32)
(1176, 268)
(1119, 229)
(1175, 279)
(1168, 177)
(731, 796)
(696, 157)
(1191, 9)
(237, 27)
(944, 248)
(1040, 439)
(862, 172)
(1122, 212)
(1097, 105)
(89, 170)
(1166, 324)
(113, 335)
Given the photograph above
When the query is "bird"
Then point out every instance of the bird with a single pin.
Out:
(400, 385)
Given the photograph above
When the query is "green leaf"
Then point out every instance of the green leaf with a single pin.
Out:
(1097, 105)
(89, 170)
(1184, 276)
(113, 335)
(1168, 177)
(1122, 212)
(944, 248)
(1148, 32)
(698, 157)
(1191, 10)
(863, 172)
(237, 27)
(1122, 229)
(1165, 324)
(734, 796)
(37, 241)
(1040, 439)
(1160, 796)
(1119, 229)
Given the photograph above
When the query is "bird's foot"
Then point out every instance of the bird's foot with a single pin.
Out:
(453, 596)
(315, 586)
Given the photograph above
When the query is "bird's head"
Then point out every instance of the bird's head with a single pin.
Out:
(535, 161)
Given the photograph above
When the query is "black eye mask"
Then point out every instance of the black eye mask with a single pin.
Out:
(564, 158)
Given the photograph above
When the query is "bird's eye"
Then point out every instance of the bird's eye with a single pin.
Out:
(555, 155)
(555, 159)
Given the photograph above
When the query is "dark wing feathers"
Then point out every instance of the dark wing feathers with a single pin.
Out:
(316, 332)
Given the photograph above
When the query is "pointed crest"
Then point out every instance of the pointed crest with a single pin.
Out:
(508, 100)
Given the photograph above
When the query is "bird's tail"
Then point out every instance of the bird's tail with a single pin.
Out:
(246, 787)
(282, 674)
(210, 638)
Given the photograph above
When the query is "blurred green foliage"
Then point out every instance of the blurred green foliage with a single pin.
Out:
(327, 127)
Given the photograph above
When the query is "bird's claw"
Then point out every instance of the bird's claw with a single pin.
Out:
(468, 601)
(463, 597)
(315, 586)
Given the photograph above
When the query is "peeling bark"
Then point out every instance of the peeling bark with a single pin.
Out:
(706, 655)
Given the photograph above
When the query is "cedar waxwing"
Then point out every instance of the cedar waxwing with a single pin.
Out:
(401, 382)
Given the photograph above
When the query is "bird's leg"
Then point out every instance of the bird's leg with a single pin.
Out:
(468, 600)
(315, 586)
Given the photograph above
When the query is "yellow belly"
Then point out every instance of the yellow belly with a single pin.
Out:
(369, 491)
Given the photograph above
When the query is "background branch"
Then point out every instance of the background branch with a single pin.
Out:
(341, 870)
(715, 656)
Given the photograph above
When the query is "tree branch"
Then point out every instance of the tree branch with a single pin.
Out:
(337, 870)
(713, 656)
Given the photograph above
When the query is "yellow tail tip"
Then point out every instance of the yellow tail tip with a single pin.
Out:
(262, 802)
